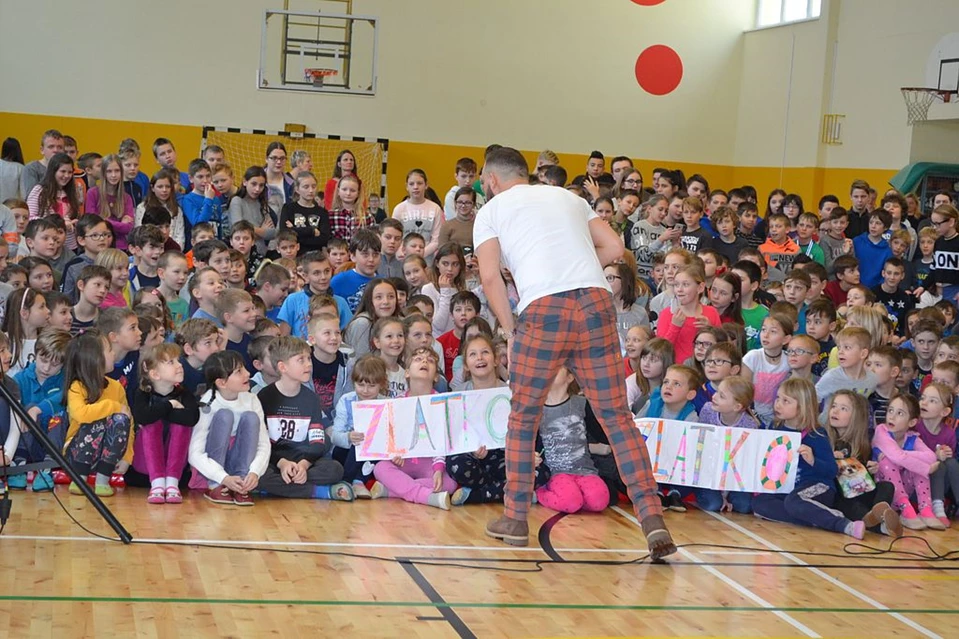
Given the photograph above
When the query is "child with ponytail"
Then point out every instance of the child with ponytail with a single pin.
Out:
(937, 429)
(164, 412)
(230, 446)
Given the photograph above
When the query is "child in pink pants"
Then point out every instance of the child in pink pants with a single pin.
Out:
(906, 462)
(575, 483)
(419, 480)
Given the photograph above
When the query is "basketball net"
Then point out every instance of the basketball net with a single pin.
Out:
(918, 101)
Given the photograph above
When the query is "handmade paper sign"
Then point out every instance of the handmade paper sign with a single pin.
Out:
(432, 425)
(721, 458)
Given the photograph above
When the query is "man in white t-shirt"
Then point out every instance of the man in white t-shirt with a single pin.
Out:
(556, 246)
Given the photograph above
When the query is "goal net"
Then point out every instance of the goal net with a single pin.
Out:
(245, 148)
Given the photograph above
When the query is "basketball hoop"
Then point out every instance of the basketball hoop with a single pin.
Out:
(318, 76)
(919, 99)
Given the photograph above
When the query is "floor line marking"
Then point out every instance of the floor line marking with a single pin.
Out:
(430, 591)
(734, 552)
(735, 585)
(451, 604)
(849, 589)
(330, 544)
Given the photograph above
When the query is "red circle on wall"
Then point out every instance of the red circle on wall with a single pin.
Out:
(659, 69)
(649, 3)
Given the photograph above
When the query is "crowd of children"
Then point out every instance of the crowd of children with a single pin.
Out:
(184, 330)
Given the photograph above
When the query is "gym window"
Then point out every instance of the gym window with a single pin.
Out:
(772, 13)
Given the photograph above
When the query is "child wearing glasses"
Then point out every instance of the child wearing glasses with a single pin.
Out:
(720, 362)
(802, 353)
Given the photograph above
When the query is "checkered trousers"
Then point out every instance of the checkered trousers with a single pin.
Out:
(576, 329)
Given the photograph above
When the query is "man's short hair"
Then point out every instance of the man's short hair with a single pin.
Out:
(508, 161)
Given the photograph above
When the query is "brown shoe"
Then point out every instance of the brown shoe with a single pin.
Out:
(508, 530)
(243, 499)
(892, 524)
(219, 495)
(875, 516)
(658, 539)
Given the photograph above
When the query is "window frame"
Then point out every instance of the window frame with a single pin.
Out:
(782, 10)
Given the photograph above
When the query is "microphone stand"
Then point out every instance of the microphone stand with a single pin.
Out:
(58, 457)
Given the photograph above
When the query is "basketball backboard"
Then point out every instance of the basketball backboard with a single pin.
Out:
(318, 51)
(942, 66)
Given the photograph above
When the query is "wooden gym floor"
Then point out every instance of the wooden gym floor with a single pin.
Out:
(439, 576)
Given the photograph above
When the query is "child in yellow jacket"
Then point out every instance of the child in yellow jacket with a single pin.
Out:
(99, 437)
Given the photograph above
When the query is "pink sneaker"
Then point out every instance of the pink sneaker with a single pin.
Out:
(156, 496)
(930, 520)
(173, 495)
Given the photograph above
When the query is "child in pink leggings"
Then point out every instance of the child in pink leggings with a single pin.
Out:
(420, 480)
(575, 484)
(164, 413)
(906, 462)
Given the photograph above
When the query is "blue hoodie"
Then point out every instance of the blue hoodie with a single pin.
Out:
(871, 256)
(48, 396)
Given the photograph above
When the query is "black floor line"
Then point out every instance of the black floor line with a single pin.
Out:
(447, 613)
(544, 541)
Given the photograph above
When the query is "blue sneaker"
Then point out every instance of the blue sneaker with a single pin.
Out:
(43, 481)
(17, 482)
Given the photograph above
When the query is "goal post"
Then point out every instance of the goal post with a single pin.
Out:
(244, 148)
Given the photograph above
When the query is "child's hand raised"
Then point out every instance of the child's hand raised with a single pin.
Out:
(357, 437)
(437, 481)
(679, 317)
(806, 453)
(445, 280)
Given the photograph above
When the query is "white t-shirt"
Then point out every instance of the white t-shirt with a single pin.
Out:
(544, 237)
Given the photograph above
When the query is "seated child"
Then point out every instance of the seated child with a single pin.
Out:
(859, 496)
(98, 438)
(299, 466)
(810, 502)
(574, 484)
(368, 383)
(729, 406)
(937, 430)
(41, 391)
(164, 412)
(230, 446)
(906, 461)
(674, 400)
(420, 480)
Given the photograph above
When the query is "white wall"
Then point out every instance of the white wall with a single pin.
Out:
(535, 73)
